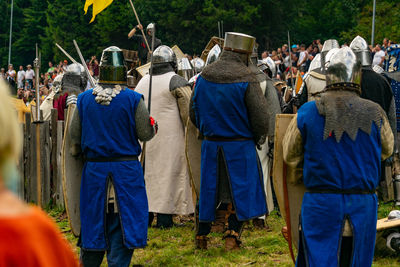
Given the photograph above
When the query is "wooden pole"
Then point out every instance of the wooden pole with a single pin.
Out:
(137, 18)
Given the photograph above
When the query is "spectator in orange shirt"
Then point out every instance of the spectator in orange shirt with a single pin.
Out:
(28, 237)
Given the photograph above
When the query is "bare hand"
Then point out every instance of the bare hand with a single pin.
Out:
(140, 26)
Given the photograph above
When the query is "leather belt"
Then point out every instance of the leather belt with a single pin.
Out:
(112, 159)
(340, 191)
(219, 138)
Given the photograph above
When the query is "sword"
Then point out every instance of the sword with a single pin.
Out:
(38, 122)
(65, 53)
(290, 63)
(91, 80)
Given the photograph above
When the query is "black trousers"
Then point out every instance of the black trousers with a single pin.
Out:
(117, 254)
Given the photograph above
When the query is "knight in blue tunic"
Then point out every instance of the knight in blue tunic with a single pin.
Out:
(110, 121)
(339, 141)
(228, 108)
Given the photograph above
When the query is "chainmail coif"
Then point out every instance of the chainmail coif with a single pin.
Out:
(346, 112)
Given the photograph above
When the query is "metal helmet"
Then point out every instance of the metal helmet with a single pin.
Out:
(164, 54)
(213, 54)
(150, 28)
(328, 45)
(239, 42)
(315, 63)
(269, 62)
(328, 56)
(112, 68)
(185, 68)
(342, 67)
(361, 49)
(198, 64)
(74, 79)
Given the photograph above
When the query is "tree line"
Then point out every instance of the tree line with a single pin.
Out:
(188, 23)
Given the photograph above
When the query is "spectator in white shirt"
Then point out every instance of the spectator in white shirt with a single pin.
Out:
(29, 75)
(379, 56)
(21, 77)
(11, 75)
(301, 63)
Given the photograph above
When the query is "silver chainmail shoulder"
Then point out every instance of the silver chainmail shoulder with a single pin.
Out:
(104, 95)
(347, 112)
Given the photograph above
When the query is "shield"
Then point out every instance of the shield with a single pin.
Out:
(289, 195)
(143, 70)
(71, 176)
(193, 157)
(214, 40)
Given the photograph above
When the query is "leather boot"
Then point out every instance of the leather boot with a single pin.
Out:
(201, 242)
(220, 221)
(258, 223)
(232, 241)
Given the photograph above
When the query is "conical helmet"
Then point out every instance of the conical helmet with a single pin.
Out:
(328, 45)
(112, 68)
(361, 49)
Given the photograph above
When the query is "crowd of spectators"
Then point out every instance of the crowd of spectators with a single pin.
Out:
(302, 55)
(23, 82)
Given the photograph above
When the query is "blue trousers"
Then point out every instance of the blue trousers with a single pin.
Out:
(117, 254)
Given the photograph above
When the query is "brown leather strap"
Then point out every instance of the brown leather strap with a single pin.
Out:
(287, 211)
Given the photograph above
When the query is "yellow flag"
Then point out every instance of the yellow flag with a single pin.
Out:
(98, 6)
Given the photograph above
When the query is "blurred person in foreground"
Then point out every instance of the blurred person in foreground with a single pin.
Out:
(28, 236)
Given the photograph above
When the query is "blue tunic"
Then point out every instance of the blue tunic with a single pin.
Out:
(109, 131)
(331, 165)
(221, 112)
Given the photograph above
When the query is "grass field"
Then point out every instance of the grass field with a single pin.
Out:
(175, 247)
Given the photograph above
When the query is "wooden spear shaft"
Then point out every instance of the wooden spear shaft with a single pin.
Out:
(137, 18)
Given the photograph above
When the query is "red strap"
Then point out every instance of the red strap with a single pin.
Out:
(287, 211)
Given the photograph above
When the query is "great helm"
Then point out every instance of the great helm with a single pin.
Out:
(112, 66)
(328, 45)
(360, 48)
(213, 55)
(239, 42)
(343, 67)
(74, 78)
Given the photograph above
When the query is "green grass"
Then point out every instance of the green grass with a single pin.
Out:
(175, 247)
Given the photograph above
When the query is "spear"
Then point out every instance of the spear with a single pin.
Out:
(137, 18)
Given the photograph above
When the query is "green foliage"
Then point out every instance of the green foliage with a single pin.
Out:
(175, 247)
(187, 23)
(386, 24)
